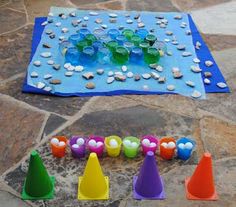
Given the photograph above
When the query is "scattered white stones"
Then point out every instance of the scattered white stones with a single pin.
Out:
(40, 85)
(169, 33)
(208, 63)
(195, 69)
(162, 79)
(47, 88)
(50, 62)
(175, 69)
(129, 21)
(68, 73)
(90, 85)
(93, 13)
(196, 60)
(79, 68)
(137, 77)
(198, 45)
(58, 24)
(37, 63)
(47, 76)
(124, 68)
(110, 79)
(221, 85)
(130, 75)
(56, 66)
(181, 47)
(196, 94)
(62, 38)
(146, 76)
(178, 17)
(44, 23)
(50, 14)
(64, 30)
(98, 21)
(183, 24)
(71, 68)
(155, 75)
(170, 87)
(190, 83)
(145, 87)
(118, 73)
(88, 75)
(177, 74)
(207, 81)
(110, 73)
(46, 54)
(113, 15)
(67, 65)
(141, 25)
(34, 74)
(86, 18)
(104, 26)
(100, 71)
(120, 77)
(186, 54)
(72, 14)
(207, 74)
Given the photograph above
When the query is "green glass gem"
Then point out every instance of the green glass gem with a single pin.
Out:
(81, 44)
(111, 45)
(128, 33)
(144, 46)
(90, 38)
(136, 40)
(151, 56)
(121, 55)
(151, 39)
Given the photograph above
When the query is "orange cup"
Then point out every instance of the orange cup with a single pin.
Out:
(167, 153)
(59, 151)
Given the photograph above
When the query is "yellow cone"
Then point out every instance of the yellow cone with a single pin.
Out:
(93, 185)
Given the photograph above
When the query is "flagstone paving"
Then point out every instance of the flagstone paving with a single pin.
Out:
(28, 121)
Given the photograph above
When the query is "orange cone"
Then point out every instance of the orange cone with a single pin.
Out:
(201, 185)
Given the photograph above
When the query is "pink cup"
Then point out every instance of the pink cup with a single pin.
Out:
(151, 138)
(97, 150)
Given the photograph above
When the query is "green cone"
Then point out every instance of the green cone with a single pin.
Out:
(38, 185)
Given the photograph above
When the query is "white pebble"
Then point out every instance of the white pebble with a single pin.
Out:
(68, 73)
(124, 68)
(171, 145)
(47, 76)
(145, 87)
(110, 73)
(129, 74)
(207, 81)
(113, 143)
(47, 88)
(58, 24)
(67, 65)
(50, 62)
(76, 146)
(99, 144)
(79, 68)
(170, 87)
(153, 144)
(164, 144)
(181, 145)
(37, 63)
(54, 141)
(86, 18)
(41, 85)
(46, 54)
(188, 145)
(71, 68)
(61, 144)
(34, 74)
(127, 143)
(92, 143)
(221, 85)
(64, 30)
(146, 142)
(80, 141)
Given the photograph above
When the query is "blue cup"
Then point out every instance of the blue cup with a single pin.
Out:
(183, 153)
(96, 45)
(113, 33)
(74, 39)
(142, 33)
(72, 56)
(128, 45)
(121, 39)
(83, 32)
(88, 55)
(103, 55)
(63, 46)
(136, 55)
(99, 33)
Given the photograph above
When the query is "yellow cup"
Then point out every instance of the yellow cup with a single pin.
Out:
(113, 151)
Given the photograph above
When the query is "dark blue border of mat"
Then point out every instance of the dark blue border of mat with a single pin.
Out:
(203, 54)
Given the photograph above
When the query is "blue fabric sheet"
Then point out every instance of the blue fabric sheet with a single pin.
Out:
(202, 54)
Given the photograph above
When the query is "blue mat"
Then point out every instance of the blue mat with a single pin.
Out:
(203, 54)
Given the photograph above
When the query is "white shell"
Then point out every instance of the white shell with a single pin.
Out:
(196, 69)
(190, 83)
(86, 18)
(47, 88)
(58, 24)
(175, 69)
(221, 85)
(145, 87)
(64, 30)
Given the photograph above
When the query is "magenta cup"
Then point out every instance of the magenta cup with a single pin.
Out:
(97, 150)
(77, 152)
(151, 138)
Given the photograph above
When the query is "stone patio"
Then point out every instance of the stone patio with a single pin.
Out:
(28, 121)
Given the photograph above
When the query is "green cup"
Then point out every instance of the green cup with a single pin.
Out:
(111, 45)
(144, 46)
(90, 38)
(152, 55)
(129, 150)
(128, 33)
(120, 55)
(136, 40)
(151, 39)
(81, 44)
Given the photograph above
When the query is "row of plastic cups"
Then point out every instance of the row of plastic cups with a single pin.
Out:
(131, 146)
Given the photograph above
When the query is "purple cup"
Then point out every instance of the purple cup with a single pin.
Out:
(97, 150)
(151, 138)
(77, 152)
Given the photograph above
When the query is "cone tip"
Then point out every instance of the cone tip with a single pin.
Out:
(150, 153)
(93, 155)
(34, 153)
(207, 155)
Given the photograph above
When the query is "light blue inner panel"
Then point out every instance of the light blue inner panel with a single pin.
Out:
(76, 83)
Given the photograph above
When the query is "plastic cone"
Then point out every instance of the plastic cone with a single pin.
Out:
(201, 185)
(38, 185)
(93, 185)
(148, 184)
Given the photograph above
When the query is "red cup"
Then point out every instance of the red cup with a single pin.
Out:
(151, 138)
(167, 153)
(59, 151)
(97, 150)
